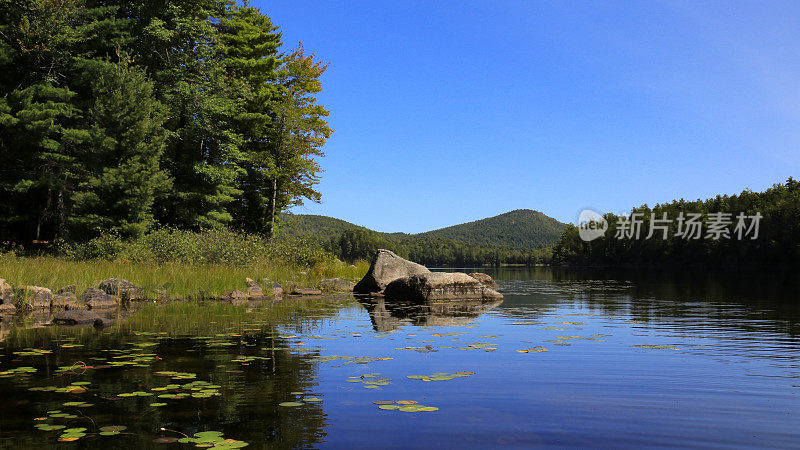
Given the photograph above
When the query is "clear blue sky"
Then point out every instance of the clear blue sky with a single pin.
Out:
(447, 112)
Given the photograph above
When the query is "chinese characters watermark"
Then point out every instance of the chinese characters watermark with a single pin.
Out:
(689, 226)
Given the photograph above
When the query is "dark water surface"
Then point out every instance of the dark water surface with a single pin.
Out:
(631, 360)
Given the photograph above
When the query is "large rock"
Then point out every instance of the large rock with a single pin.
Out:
(123, 289)
(94, 298)
(337, 284)
(385, 268)
(484, 279)
(439, 286)
(33, 297)
(6, 292)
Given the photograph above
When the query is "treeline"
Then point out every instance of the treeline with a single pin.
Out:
(121, 116)
(355, 244)
(777, 242)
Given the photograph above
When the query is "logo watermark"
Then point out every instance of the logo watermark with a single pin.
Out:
(591, 225)
(689, 226)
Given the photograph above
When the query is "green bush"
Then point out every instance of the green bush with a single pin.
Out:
(206, 247)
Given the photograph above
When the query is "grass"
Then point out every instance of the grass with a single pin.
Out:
(169, 280)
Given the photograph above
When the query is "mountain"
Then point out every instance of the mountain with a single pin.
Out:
(521, 229)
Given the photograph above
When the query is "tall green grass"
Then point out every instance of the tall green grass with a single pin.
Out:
(171, 279)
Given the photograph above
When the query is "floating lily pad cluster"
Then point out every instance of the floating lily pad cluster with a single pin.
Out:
(657, 347)
(370, 380)
(567, 340)
(23, 371)
(197, 389)
(440, 376)
(404, 406)
(426, 349)
(486, 346)
(245, 360)
(58, 414)
(351, 359)
(212, 439)
(72, 434)
(112, 430)
(177, 375)
(33, 352)
(301, 402)
(533, 350)
(78, 404)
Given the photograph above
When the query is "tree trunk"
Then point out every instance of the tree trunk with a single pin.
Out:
(271, 209)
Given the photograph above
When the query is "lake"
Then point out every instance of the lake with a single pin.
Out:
(570, 358)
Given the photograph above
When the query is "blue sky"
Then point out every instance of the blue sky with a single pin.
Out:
(447, 112)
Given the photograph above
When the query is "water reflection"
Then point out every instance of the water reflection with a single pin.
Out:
(389, 316)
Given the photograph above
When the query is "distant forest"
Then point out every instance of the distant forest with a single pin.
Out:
(118, 117)
(516, 237)
(777, 244)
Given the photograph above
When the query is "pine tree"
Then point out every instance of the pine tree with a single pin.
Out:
(121, 175)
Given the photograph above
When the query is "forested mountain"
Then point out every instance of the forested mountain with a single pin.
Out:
(516, 237)
(520, 229)
(750, 229)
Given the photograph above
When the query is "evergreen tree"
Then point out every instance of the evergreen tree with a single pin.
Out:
(121, 175)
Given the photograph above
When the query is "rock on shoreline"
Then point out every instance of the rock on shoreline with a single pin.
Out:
(399, 279)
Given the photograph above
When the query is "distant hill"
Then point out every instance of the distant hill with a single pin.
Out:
(317, 227)
(521, 229)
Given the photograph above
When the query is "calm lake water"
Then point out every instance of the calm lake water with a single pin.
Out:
(615, 360)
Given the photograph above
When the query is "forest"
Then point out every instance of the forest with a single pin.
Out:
(775, 245)
(121, 117)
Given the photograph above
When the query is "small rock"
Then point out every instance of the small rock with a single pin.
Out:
(124, 289)
(7, 308)
(337, 284)
(67, 289)
(33, 297)
(95, 298)
(306, 292)
(254, 290)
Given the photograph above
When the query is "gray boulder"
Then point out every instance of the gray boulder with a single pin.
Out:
(484, 279)
(439, 286)
(337, 284)
(385, 268)
(123, 289)
(33, 297)
(94, 298)
(6, 292)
